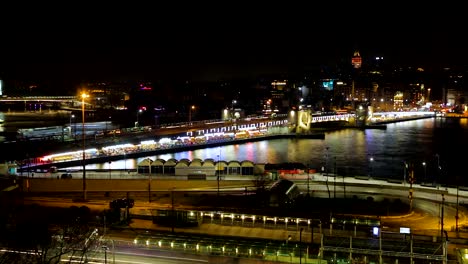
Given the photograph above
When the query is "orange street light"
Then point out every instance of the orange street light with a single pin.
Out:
(190, 113)
(83, 97)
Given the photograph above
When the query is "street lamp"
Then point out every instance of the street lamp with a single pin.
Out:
(456, 213)
(137, 124)
(217, 173)
(105, 131)
(150, 161)
(326, 162)
(325, 170)
(405, 169)
(334, 180)
(300, 248)
(308, 186)
(425, 174)
(190, 113)
(371, 159)
(105, 253)
(439, 168)
(125, 161)
(173, 215)
(110, 176)
(83, 96)
(71, 117)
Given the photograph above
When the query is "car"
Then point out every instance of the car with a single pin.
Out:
(66, 176)
(122, 203)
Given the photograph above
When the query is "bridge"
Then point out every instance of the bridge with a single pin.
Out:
(63, 99)
(38, 103)
(302, 122)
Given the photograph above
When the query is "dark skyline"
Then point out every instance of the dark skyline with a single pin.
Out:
(213, 42)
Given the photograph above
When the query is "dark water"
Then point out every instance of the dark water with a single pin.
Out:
(440, 143)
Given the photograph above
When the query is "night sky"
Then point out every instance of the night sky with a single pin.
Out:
(212, 41)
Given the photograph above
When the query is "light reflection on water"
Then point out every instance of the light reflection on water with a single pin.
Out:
(349, 151)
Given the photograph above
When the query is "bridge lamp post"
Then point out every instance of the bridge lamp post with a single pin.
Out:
(83, 97)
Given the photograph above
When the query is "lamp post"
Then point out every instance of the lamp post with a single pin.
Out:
(27, 179)
(300, 246)
(105, 253)
(190, 113)
(105, 131)
(371, 159)
(217, 173)
(425, 171)
(308, 186)
(173, 215)
(439, 168)
(125, 161)
(137, 124)
(456, 213)
(442, 219)
(150, 161)
(405, 169)
(71, 117)
(334, 180)
(325, 169)
(110, 170)
(83, 96)
(326, 162)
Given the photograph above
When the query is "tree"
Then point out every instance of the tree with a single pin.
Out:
(44, 235)
(261, 182)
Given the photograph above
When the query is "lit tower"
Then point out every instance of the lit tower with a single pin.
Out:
(356, 61)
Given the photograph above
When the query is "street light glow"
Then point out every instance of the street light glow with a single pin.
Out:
(83, 97)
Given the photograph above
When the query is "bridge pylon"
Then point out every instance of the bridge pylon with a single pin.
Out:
(304, 119)
(363, 115)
